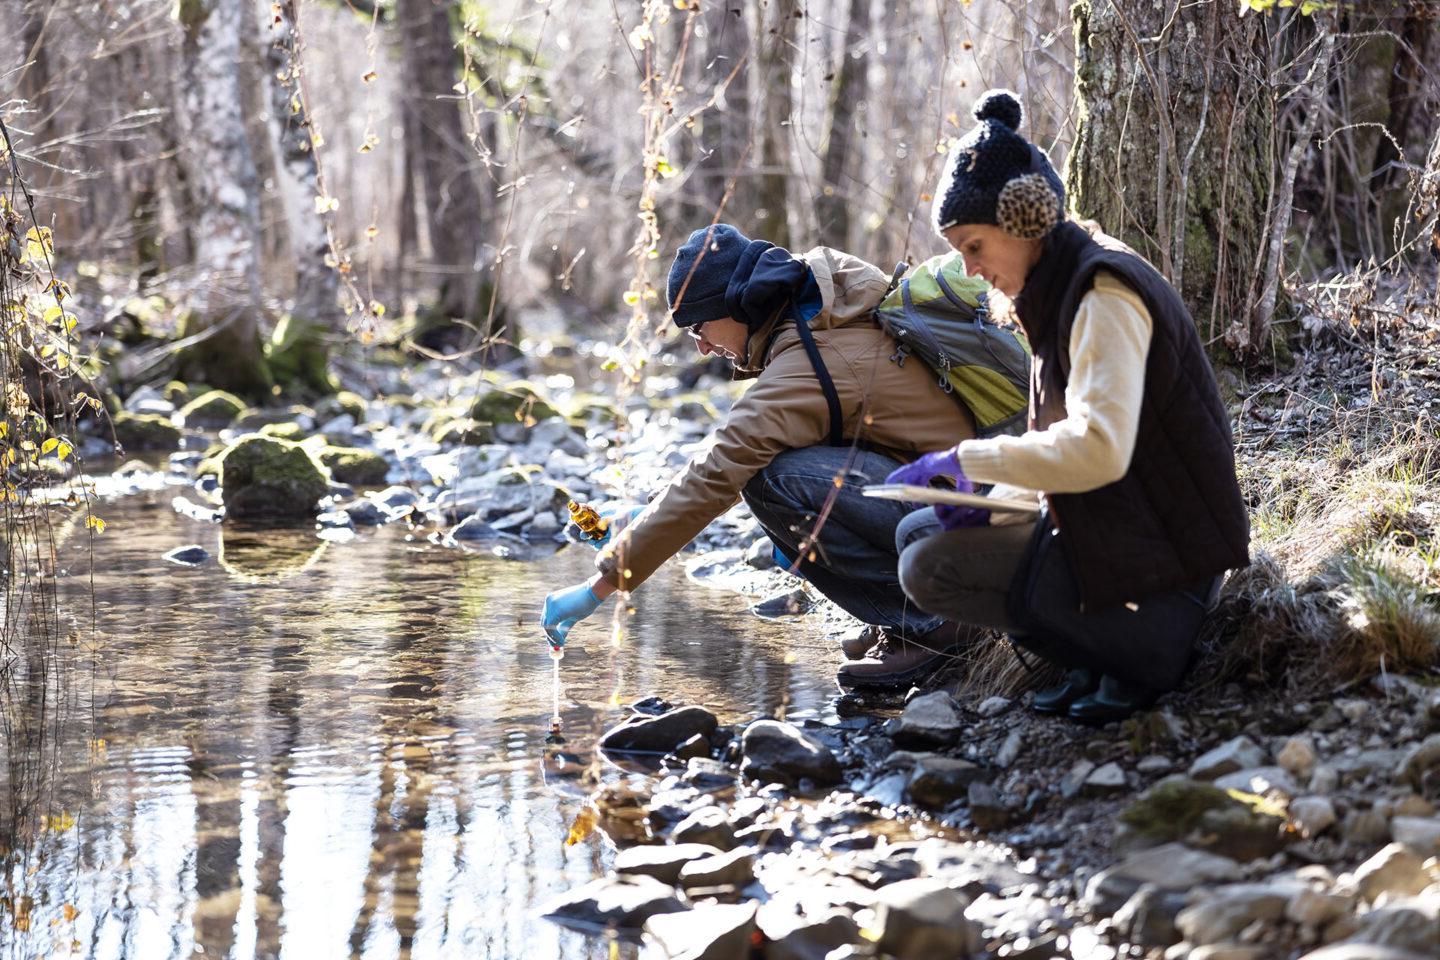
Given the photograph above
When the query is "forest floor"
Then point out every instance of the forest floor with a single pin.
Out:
(1283, 799)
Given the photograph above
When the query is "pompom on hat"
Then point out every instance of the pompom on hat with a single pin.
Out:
(995, 176)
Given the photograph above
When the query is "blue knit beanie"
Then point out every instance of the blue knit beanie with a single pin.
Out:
(995, 176)
(701, 272)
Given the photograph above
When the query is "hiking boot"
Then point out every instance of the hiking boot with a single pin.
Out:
(897, 662)
(1115, 699)
(857, 643)
(791, 603)
(1078, 683)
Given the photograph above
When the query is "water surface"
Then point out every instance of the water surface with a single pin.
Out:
(304, 749)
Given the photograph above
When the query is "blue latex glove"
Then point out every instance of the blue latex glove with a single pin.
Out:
(564, 609)
(943, 463)
(619, 517)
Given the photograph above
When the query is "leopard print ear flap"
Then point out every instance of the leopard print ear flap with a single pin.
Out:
(1027, 207)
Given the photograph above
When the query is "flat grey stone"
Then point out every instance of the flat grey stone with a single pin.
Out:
(1237, 754)
(1393, 870)
(1420, 834)
(929, 719)
(1105, 781)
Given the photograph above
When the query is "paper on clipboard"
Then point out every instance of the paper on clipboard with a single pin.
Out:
(915, 494)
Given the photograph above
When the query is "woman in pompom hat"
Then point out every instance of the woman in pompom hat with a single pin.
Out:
(1129, 448)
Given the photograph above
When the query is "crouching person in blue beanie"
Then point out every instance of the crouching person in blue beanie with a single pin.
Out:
(798, 454)
(1128, 447)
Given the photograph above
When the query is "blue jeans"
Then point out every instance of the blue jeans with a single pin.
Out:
(856, 563)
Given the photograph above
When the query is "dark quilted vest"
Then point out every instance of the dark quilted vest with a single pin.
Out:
(1177, 517)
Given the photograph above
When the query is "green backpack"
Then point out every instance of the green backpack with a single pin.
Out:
(940, 314)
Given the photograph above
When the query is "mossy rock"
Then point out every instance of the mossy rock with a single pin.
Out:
(594, 412)
(401, 401)
(145, 431)
(518, 403)
(463, 432)
(253, 419)
(343, 402)
(177, 393)
(268, 477)
(361, 468)
(284, 431)
(217, 408)
(209, 467)
(1233, 824)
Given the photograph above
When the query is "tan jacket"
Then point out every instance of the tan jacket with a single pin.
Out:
(896, 410)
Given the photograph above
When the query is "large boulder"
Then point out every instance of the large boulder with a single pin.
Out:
(352, 465)
(145, 431)
(264, 477)
(214, 409)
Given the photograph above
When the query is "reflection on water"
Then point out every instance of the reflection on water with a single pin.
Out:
(309, 750)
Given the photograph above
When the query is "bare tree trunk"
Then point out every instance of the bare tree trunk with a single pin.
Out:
(725, 131)
(842, 157)
(225, 306)
(772, 211)
(441, 158)
(299, 350)
(1172, 151)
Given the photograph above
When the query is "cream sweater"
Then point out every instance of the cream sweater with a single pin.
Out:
(1092, 446)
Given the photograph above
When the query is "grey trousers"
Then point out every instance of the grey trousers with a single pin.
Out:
(965, 575)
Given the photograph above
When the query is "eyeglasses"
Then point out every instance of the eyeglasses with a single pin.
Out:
(695, 331)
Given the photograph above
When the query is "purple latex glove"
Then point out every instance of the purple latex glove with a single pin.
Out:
(943, 463)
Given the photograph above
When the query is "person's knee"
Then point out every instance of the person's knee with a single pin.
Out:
(920, 579)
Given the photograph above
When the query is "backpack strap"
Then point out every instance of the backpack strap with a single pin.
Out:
(822, 374)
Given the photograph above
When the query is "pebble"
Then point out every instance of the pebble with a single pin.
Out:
(1226, 911)
(929, 720)
(1106, 781)
(1312, 815)
(1298, 756)
(1261, 780)
(937, 781)
(1316, 907)
(993, 706)
(1420, 834)
(1009, 751)
(1233, 755)
(1154, 764)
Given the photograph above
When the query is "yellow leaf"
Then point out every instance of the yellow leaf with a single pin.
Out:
(371, 232)
(63, 450)
(369, 76)
(96, 524)
(48, 445)
(4, 429)
(583, 826)
(631, 298)
(69, 911)
(324, 204)
(377, 308)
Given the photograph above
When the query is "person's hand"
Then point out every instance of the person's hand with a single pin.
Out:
(942, 463)
(617, 517)
(954, 516)
(564, 609)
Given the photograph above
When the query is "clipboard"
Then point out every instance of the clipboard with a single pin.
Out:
(913, 494)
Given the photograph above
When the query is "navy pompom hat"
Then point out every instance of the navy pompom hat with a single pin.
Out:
(702, 270)
(995, 176)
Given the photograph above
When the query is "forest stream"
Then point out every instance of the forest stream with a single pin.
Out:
(303, 749)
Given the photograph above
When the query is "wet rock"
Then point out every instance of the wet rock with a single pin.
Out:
(1363, 951)
(993, 706)
(544, 524)
(708, 825)
(760, 555)
(1317, 908)
(1105, 781)
(334, 520)
(624, 903)
(1148, 917)
(1238, 754)
(987, 810)
(807, 937)
(519, 403)
(693, 749)
(1298, 756)
(366, 512)
(652, 706)
(712, 931)
(782, 753)
(1420, 834)
(661, 734)
(1312, 815)
(1420, 763)
(929, 719)
(938, 781)
(660, 861)
(1260, 780)
(145, 431)
(1411, 924)
(705, 773)
(473, 528)
(188, 556)
(923, 919)
(735, 868)
(1393, 870)
(264, 477)
(211, 410)
(396, 496)
(362, 468)
(1222, 913)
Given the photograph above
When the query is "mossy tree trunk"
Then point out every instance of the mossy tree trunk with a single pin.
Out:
(299, 349)
(842, 168)
(1173, 152)
(224, 317)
